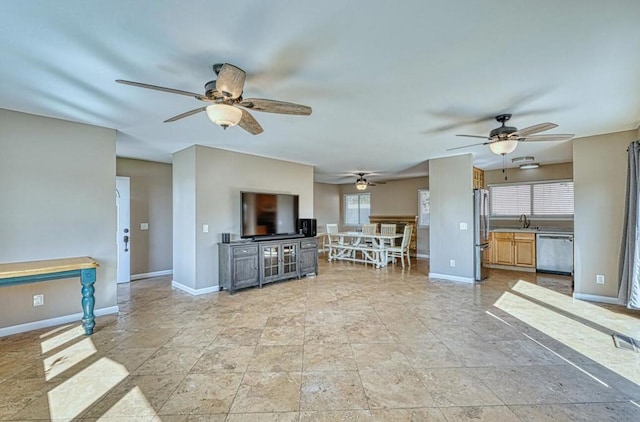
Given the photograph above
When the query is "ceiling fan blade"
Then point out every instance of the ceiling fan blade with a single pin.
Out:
(163, 89)
(186, 114)
(467, 146)
(248, 123)
(523, 133)
(549, 137)
(230, 81)
(474, 136)
(274, 106)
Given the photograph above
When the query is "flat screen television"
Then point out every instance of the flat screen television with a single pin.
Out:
(268, 214)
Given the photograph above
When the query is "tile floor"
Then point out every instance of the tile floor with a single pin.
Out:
(351, 344)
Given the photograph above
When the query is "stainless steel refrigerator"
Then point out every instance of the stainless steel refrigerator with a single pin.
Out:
(480, 231)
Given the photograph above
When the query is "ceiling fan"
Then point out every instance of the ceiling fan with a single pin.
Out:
(504, 139)
(361, 182)
(227, 106)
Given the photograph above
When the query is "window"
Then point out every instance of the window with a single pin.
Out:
(423, 208)
(539, 199)
(510, 200)
(553, 199)
(357, 207)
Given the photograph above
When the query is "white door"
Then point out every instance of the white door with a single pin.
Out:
(123, 236)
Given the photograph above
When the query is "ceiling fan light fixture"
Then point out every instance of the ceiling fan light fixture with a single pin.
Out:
(503, 147)
(529, 166)
(224, 115)
(361, 185)
(523, 159)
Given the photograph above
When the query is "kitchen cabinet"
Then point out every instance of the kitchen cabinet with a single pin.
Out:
(524, 246)
(487, 254)
(503, 248)
(515, 249)
(478, 178)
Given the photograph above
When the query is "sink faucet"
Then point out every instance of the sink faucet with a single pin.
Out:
(525, 223)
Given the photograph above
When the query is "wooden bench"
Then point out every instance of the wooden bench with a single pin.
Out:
(16, 273)
(349, 252)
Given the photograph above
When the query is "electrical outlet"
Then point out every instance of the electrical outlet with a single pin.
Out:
(144, 226)
(452, 262)
(205, 228)
(38, 300)
(463, 226)
(600, 278)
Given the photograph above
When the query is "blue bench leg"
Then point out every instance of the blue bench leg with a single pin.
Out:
(87, 279)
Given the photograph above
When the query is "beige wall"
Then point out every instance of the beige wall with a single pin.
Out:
(396, 197)
(451, 190)
(599, 175)
(326, 205)
(219, 176)
(184, 216)
(151, 202)
(57, 190)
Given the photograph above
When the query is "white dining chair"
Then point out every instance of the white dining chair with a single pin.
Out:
(401, 251)
(332, 239)
(388, 230)
(369, 229)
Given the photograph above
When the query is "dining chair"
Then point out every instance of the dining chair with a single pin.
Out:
(388, 230)
(332, 239)
(401, 251)
(369, 229)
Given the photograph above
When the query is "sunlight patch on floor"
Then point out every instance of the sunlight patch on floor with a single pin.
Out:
(67, 358)
(621, 323)
(133, 404)
(594, 344)
(55, 330)
(76, 394)
(60, 339)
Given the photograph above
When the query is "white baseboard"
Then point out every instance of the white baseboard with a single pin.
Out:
(596, 298)
(21, 328)
(194, 292)
(452, 277)
(422, 256)
(151, 274)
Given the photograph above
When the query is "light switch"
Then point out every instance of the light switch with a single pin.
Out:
(463, 226)
(144, 226)
(205, 228)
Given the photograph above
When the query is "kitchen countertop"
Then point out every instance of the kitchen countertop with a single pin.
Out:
(542, 230)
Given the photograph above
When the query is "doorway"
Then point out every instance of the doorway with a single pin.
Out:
(123, 234)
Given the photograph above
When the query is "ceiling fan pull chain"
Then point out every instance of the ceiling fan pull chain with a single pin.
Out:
(504, 165)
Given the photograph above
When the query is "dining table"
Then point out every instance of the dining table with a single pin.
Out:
(359, 247)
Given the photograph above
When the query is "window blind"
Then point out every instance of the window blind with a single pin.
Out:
(510, 200)
(553, 199)
(357, 208)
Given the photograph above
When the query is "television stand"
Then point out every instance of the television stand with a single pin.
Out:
(265, 260)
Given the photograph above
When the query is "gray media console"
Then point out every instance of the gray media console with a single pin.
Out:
(249, 264)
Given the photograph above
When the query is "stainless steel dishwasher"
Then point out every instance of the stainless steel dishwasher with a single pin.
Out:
(554, 253)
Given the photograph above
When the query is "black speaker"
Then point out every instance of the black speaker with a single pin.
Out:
(307, 226)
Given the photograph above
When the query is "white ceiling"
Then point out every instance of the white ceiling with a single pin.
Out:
(390, 83)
